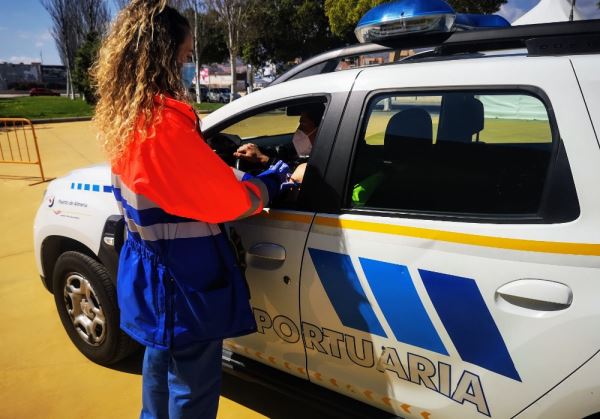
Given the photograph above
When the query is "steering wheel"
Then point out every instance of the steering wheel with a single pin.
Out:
(225, 145)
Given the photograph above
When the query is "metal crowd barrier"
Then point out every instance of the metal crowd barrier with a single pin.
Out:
(18, 143)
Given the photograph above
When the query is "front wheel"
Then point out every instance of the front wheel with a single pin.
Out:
(86, 302)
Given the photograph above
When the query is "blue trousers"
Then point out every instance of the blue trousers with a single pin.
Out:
(183, 383)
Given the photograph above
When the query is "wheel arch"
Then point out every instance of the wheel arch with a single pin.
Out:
(113, 236)
(54, 246)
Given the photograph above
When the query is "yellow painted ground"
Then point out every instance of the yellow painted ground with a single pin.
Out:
(42, 375)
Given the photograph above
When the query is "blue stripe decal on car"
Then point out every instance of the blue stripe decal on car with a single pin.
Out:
(91, 188)
(345, 292)
(395, 292)
(469, 323)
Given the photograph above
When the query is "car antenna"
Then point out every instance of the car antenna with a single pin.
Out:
(572, 9)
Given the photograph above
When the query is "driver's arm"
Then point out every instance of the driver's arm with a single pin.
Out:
(298, 174)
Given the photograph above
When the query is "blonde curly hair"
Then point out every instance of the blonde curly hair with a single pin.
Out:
(136, 62)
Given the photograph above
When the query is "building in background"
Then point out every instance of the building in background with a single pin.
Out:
(18, 76)
(26, 76)
(54, 76)
(219, 76)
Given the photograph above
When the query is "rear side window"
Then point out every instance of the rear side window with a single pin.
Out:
(453, 152)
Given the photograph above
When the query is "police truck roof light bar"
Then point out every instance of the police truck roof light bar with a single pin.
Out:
(405, 17)
(394, 19)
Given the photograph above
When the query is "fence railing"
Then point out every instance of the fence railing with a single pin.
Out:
(18, 143)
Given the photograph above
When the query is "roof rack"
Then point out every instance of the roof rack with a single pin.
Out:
(540, 39)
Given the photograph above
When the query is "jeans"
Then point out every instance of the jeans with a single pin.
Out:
(182, 383)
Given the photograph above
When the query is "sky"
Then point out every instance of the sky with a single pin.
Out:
(25, 27)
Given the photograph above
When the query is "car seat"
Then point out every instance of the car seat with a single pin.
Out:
(407, 133)
(461, 117)
(407, 144)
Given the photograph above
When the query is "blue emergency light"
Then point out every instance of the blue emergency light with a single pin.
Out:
(404, 17)
(472, 21)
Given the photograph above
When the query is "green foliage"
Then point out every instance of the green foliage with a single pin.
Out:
(477, 6)
(206, 107)
(344, 14)
(43, 107)
(283, 30)
(84, 59)
(211, 39)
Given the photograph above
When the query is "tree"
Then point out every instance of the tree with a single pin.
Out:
(234, 17)
(283, 30)
(211, 38)
(344, 14)
(84, 59)
(196, 6)
(63, 14)
(94, 16)
(72, 20)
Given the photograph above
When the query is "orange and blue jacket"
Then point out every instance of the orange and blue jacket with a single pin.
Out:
(178, 281)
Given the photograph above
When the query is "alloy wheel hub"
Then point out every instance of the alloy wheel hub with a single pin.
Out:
(84, 309)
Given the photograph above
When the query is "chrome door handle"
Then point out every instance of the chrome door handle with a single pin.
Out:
(267, 251)
(536, 294)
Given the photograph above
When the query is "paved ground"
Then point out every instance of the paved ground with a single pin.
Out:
(42, 375)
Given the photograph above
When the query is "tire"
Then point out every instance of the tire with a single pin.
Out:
(86, 302)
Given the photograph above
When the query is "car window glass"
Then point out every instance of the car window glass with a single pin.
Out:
(453, 152)
(273, 122)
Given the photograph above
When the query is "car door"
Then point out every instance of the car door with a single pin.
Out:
(271, 244)
(458, 276)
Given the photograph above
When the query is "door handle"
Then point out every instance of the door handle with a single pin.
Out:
(269, 252)
(536, 294)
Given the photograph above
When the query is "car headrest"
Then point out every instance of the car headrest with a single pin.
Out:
(408, 131)
(461, 116)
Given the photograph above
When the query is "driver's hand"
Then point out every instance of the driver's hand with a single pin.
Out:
(250, 152)
(298, 175)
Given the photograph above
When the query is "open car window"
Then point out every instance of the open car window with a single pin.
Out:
(272, 131)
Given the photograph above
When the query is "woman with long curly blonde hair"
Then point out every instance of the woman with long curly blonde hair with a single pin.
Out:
(178, 287)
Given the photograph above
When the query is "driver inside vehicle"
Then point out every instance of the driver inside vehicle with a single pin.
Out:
(303, 141)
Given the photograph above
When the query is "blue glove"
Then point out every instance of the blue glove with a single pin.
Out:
(274, 176)
(279, 170)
